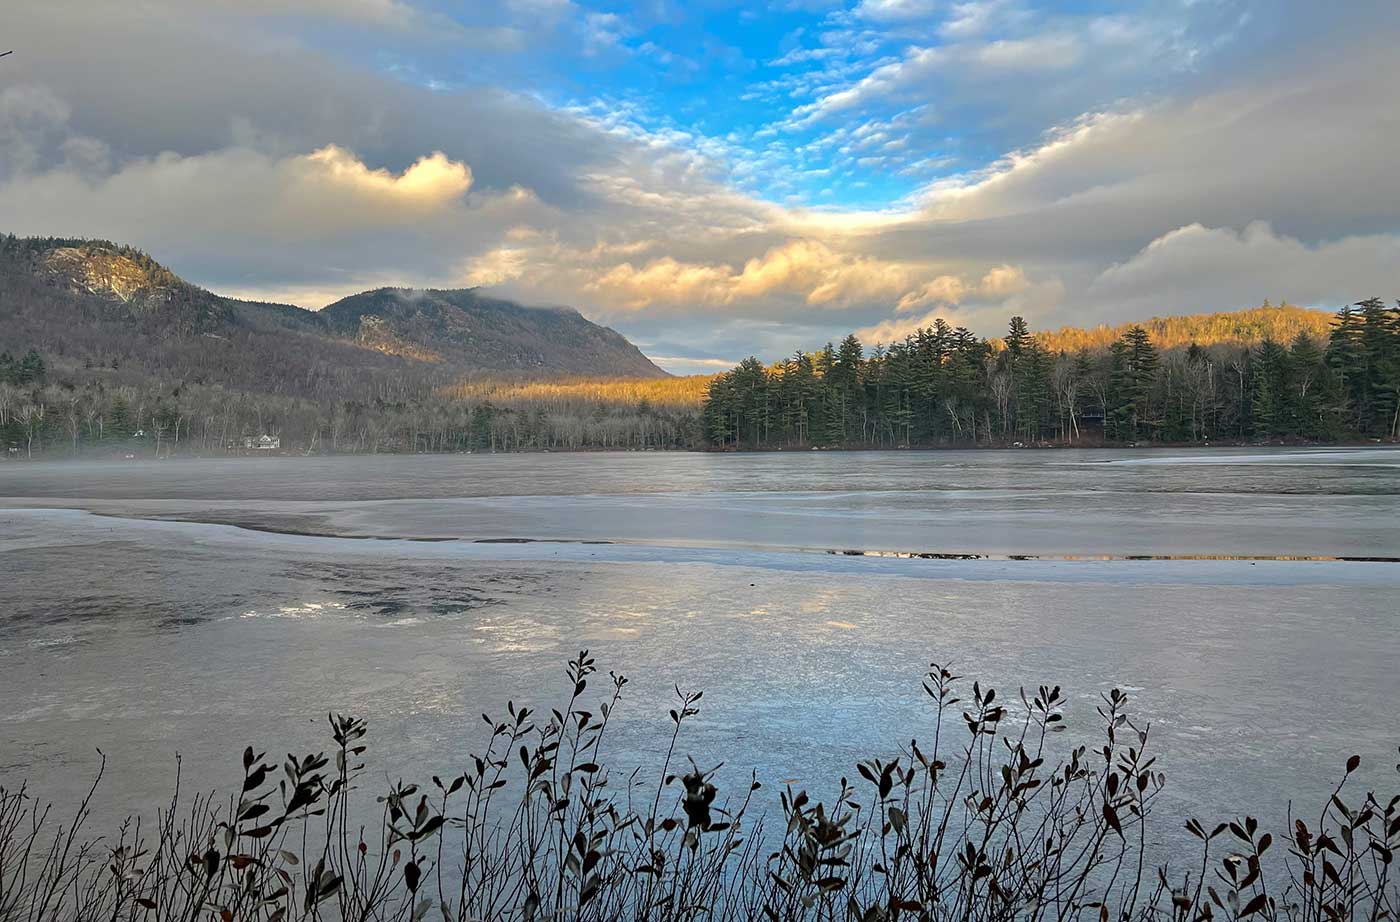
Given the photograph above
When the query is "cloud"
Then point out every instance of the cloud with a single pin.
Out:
(663, 281)
(1000, 282)
(983, 303)
(388, 18)
(428, 183)
(604, 32)
(263, 160)
(1115, 181)
(799, 273)
(680, 364)
(325, 212)
(886, 10)
(989, 76)
(976, 17)
(945, 289)
(32, 119)
(496, 267)
(324, 191)
(921, 68)
(1197, 268)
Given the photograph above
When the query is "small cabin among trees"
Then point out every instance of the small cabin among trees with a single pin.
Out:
(262, 443)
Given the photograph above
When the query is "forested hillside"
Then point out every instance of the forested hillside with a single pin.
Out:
(133, 360)
(1250, 327)
(945, 386)
(467, 330)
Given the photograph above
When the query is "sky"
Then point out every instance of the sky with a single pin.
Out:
(716, 178)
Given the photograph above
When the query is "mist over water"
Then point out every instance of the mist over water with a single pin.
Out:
(195, 607)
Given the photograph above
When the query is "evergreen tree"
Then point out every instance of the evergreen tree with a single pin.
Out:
(119, 420)
(32, 369)
(1308, 378)
(1017, 336)
(1269, 390)
(1380, 344)
(1133, 371)
(1346, 356)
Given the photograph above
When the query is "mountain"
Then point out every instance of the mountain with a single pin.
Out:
(100, 306)
(465, 328)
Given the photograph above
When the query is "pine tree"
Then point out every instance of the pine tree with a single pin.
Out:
(30, 370)
(1269, 390)
(1133, 371)
(1308, 385)
(1346, 356)
(846, 384)
(119, 421)
(1017, 336)
(1380, 346)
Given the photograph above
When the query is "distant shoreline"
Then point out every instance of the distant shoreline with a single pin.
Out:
(1104, 446)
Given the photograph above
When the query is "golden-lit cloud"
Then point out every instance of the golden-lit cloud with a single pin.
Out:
(1000, 283)
(429, 182)
(807, 271)
(982, 304)
(662, 281)
(328, 190)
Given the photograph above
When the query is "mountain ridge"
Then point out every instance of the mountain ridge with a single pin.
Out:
(93, 288)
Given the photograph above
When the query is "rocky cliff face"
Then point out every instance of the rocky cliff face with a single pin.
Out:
(122, 283)
(102, 272)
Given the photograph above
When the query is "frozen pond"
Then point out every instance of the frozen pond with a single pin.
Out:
(194, 607)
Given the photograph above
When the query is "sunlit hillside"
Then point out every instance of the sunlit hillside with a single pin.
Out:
(662, 393)
(1247, 327)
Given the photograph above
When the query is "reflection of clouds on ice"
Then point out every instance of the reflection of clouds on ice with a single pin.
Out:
(843, 625)
(309, 610)
(1066, 504)
(64, 640)
(518, 634)
(1343, 456)
(434, 700)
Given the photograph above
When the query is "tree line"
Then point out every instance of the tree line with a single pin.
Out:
(939, 386)
(50, 416)
(943, 385)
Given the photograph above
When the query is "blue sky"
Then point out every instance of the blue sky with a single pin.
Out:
(719, 179)
(747, 82)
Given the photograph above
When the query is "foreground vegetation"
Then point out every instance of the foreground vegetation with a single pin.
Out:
(945, 386)
(985, 819)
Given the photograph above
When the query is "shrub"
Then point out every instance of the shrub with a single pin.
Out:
(975, 824)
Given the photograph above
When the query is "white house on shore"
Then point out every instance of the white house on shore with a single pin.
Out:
(262, 443)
